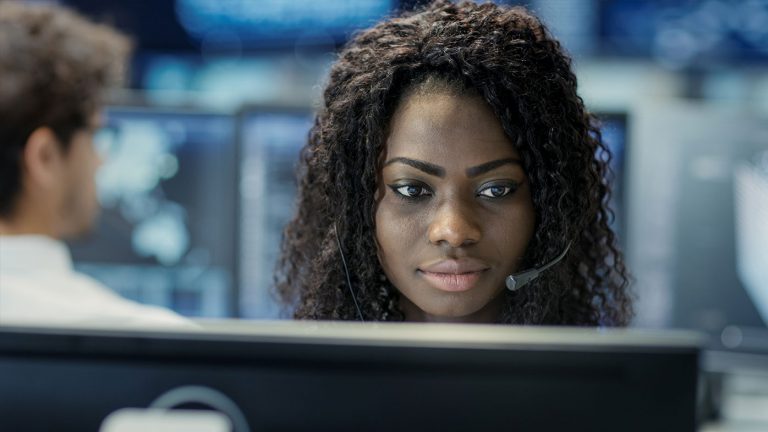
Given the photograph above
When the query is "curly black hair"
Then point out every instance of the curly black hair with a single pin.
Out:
(511, 60)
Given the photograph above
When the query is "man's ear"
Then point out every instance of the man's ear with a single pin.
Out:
(43, 157)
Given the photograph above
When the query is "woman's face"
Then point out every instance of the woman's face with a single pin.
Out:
(454, 214)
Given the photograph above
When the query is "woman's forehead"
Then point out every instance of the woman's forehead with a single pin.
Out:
(447, 128)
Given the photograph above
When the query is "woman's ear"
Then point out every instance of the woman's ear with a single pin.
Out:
(42, 160)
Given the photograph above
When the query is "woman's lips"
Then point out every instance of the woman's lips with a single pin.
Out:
(452, 282)
(453, 275)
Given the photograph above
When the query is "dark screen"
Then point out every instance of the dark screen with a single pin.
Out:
(307, 385)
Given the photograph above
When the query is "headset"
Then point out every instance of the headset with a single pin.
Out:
(513, 282)
(516, 281)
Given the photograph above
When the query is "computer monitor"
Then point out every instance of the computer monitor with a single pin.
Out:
(270, 141)
(643, 29)
(204, 25)
(614, 129)
(168, 188)
(351, 376)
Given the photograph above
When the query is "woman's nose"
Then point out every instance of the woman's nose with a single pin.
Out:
(455, 225)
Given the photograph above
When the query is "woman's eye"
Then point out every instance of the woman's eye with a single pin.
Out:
(411, 191)
(496, 191)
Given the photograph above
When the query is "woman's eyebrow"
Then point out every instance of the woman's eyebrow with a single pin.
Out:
(427, 167)
(490, 166)
(439, 171)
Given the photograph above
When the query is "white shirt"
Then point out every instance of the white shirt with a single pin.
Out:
(39, 286)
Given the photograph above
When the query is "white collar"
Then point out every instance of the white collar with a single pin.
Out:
(33, 253)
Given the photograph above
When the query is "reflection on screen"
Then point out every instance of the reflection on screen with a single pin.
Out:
(167, 229)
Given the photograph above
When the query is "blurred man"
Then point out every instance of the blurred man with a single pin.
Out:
(54, 69)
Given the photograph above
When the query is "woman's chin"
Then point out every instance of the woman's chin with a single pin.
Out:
(457, 313)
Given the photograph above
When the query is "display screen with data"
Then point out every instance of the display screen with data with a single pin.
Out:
(168, 189)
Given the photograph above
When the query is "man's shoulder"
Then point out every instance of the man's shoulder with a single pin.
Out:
(73, 297)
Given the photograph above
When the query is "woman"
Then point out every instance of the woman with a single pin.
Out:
(451, 152)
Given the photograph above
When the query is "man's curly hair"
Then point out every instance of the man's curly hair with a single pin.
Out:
(55, 66)
(510, 59)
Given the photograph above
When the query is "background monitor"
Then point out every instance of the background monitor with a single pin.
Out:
(614, 128)
(210, 25)
(692, 33)
(310, 376)
(167, 232)
(270, 141)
